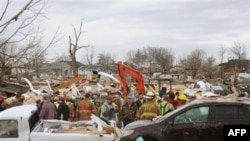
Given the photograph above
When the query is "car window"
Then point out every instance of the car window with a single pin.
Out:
(230, 112)
(195, 115)
(244, 112)
(226, 112)
(8, 129)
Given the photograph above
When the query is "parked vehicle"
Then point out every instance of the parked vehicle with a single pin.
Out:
(21, 123)
(199, 120)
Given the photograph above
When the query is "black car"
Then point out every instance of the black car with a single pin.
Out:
(199, 120)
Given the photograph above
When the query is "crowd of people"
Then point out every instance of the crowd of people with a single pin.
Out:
(121, 109)
(108, 107)
(117, 107)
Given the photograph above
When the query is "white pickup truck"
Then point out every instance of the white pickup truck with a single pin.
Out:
(21, 123)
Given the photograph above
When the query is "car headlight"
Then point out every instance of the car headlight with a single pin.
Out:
(127, 132)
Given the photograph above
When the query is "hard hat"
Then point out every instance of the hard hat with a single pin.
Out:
(182, 97)
(149, 95)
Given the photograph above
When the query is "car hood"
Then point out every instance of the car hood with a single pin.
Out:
(138, 123)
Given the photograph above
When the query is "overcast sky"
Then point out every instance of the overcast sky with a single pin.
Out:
(118, 26)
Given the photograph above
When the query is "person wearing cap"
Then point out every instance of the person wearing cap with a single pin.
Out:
(128, 111)
(85, 108)
(108, 109)
(63, 110)
(182, 100)
(48, 109)
(150, 109)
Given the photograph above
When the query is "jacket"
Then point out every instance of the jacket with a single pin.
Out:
(63, 110)
(148, 110)
(84, 109)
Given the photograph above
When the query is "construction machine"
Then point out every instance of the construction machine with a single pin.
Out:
(123, 71)
(164, 84)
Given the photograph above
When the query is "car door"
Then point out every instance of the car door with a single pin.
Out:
(227, 114)
(191, 124)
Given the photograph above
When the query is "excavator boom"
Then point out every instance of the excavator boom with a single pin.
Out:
(123, 70)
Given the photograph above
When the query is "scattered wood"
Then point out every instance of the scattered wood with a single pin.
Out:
(68, 83)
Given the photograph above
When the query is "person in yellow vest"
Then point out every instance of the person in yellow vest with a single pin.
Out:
(108, 109)
(166, 106)
(56, 103)
(150, 109)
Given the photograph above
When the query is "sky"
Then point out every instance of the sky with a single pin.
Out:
(119, 26)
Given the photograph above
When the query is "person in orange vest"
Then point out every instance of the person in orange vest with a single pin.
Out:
(150, 109)
(85, 108)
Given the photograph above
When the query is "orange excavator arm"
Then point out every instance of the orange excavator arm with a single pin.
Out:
(123, 70)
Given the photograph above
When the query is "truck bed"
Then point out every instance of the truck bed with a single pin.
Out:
(52, 130)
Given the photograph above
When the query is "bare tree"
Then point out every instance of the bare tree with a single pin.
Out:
(149, 59)
(164, 57)
(5, 58)
(209, 68)
(62, 57)
(89, 56)
(193, 62)
(136, 58)
(32, 56)
(106, 61)
(74, 47)
(14, 24)
(13, 29)
(222, 52)
(141, 59)
(149, 56)
(16, 27)
(238, 50)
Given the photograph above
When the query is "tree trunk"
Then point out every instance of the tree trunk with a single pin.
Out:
(74, 66)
